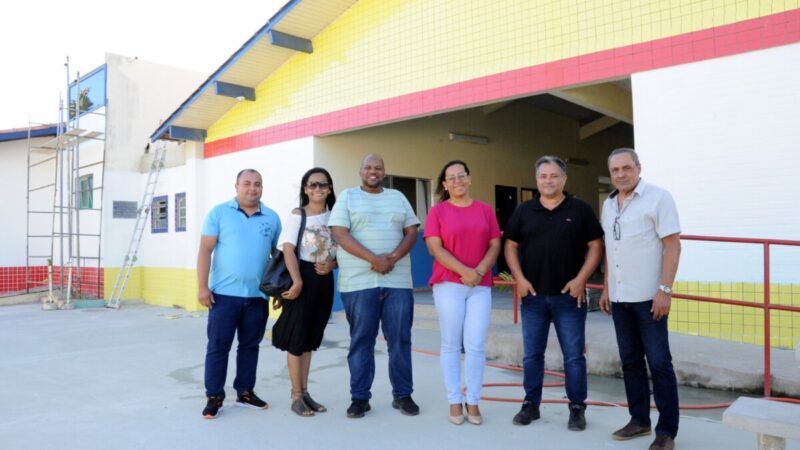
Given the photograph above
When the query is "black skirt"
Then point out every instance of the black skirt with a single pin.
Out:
(302, 322)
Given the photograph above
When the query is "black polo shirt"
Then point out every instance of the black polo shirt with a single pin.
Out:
(552, 244)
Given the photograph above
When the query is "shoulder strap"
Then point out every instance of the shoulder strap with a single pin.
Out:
(302, 229)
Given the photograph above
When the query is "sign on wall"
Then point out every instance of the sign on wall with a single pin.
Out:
(124, 210)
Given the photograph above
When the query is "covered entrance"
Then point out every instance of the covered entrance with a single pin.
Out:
(500, 142)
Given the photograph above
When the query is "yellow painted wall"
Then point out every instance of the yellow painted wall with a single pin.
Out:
(519, 134)
(161, 286)
(133, 288)
(382, 49)
(737, 323)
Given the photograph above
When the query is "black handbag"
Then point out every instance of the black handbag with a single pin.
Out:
(276, 279)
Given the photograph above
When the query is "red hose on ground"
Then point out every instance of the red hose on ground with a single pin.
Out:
(588, 402)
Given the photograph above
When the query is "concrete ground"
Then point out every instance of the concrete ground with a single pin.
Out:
(133, 378)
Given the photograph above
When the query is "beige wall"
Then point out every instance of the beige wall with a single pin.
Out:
(140, 94)
(519, 134)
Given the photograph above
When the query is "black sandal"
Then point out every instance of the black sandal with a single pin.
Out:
(300, 408)
(312, 404)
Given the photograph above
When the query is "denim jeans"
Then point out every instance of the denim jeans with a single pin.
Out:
(640, 337)
(393, 309)
(463, 316)
(570, 324)
(247, 318)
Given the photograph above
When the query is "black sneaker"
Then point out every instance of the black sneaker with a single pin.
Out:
(577, 419)
(406, 406)
(528, 413)
(249, 399)
(358, 408)
(212, 408)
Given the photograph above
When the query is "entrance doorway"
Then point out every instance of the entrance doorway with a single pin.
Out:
(505, 201)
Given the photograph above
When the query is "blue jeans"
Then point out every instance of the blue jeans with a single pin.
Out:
(640, 337)
(247, 318)
(393, 309)
(464, 314)
(570, 323)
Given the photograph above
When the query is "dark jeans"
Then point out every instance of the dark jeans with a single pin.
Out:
(570, 324)
(640, 337)
(394, 310)
(245, 317)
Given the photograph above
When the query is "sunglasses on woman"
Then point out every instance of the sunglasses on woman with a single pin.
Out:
(317, 184)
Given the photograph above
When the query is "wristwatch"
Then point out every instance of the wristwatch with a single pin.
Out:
(665, 289)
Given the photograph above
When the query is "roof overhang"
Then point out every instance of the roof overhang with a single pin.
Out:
(290, 30)
(15, 134)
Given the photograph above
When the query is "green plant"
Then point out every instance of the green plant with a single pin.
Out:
(505, 276)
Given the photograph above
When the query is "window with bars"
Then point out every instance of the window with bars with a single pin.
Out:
(86, 192)
(159, 214)
(180, 211)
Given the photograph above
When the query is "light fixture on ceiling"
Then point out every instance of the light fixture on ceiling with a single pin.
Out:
(468, 138)
(576, 161)
(240, 98)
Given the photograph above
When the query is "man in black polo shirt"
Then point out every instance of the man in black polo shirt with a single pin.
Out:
(553, 244)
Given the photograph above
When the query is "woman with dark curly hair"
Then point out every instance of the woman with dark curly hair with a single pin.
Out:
(463, 236)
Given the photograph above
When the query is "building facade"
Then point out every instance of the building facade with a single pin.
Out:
(704, 90)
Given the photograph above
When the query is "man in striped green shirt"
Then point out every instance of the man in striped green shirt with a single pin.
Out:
(376, 228)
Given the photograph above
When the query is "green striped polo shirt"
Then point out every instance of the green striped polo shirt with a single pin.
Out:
(377, 222)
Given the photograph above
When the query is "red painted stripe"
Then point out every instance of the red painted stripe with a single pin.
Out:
(726, 40)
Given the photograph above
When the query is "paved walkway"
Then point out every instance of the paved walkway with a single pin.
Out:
(132, 379)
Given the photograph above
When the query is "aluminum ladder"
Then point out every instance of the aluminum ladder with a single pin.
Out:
(141, 222)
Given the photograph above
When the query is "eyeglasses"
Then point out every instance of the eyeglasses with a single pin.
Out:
(617, 229)
(460, 177)
(317, 184)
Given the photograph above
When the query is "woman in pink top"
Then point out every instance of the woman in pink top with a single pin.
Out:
(463, 236)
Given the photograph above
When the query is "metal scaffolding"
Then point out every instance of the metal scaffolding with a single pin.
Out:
(72, 167)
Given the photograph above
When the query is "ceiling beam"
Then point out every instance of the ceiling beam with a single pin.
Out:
(607, 99)
(596, 126)
(494, 107)
(234, 90)
(186, 134)
(291, 42)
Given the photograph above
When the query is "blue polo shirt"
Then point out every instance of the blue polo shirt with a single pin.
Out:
(243, 247)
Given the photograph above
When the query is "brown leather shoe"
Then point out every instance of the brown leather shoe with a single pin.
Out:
(630, 431)
(662, 442)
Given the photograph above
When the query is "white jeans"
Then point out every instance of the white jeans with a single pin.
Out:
(464, 314)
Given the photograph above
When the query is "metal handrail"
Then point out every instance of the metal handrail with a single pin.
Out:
(766, 306)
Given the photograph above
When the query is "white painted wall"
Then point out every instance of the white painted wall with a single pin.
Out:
(13, 172)
(210, 182)
(140, 95)
(722, 136)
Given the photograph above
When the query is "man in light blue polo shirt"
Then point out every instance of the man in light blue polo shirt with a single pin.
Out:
(241, 234)
(376, 228)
